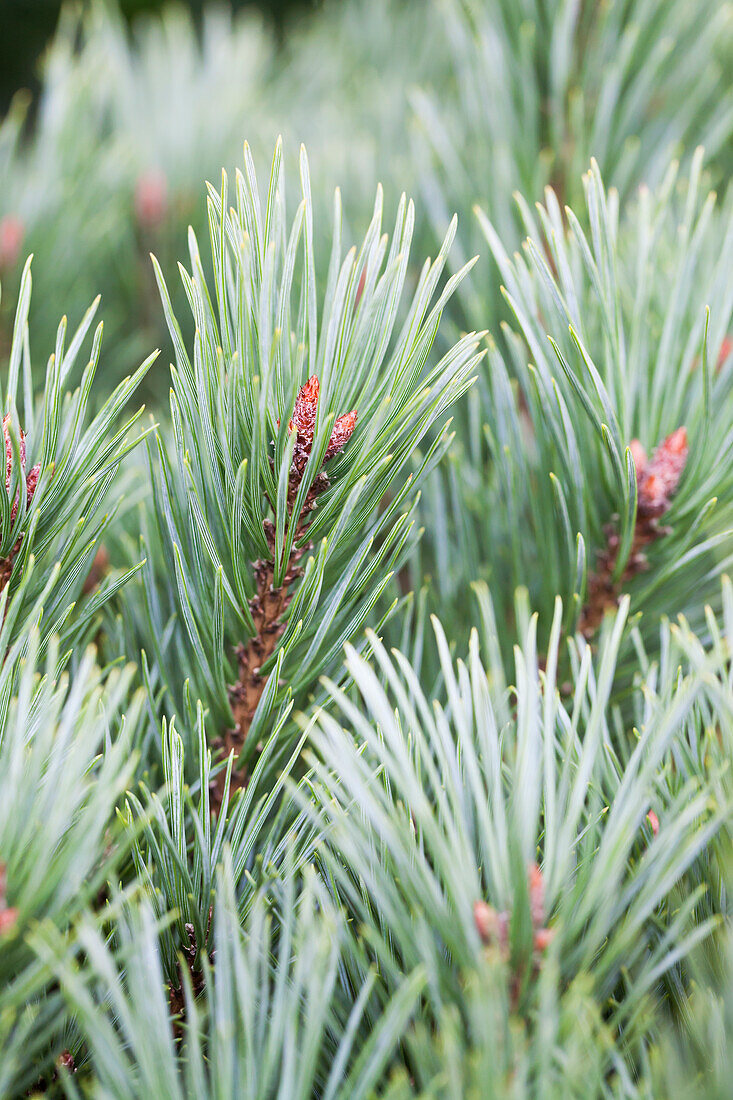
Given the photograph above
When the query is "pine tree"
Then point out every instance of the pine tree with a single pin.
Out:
(346, 750)
(53, 511)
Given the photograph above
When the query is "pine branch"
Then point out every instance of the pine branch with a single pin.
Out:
(502, 839)
(66, 757)
(268, 560)
(656, 481)
(194, 979)
(274, 1018)
(59, 467)
(181, 847)
(618, 344)
(269, 605)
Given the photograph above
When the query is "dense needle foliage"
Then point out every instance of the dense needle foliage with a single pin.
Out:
(366, 711)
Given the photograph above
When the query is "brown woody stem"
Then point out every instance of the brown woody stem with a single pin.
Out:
(603, 591)
(176, 997)
(268, 607)
(6, 568)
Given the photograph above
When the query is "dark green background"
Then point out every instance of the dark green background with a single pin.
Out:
(27, 25)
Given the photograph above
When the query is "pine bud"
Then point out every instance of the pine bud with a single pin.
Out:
(8, 920)
(653, 821)
(8, 916)
(341, 434)
(31, 481)
(66, 1061)
(9, 452)
(12, 232)
(536, 885)
(543, 937)
(491, 926)
(485, 919)
(304, 414)
(303, 421)
(151, 199)
(658, 479)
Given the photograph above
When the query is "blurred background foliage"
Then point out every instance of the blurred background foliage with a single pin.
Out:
(104, 160)
(28, 26)
(118, 110)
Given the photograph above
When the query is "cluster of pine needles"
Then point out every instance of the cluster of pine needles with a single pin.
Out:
(366, 711)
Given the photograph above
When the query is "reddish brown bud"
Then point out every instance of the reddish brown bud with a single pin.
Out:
(9, 452)
(151, 199)
(8, 919)
(536, 896)
(303, 421)
(341, 434)
(491, 926)
(653, 821)
(662, 474)
(66, 1061)
(674, 444)
(31, 481)
(725, 349)
(484, 917)
(12, 233)
(304, 414)
(542, 938)
(652, 500)
(8, 916)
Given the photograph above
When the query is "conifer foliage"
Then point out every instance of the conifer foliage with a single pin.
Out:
(366, 714)
(267, 503)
